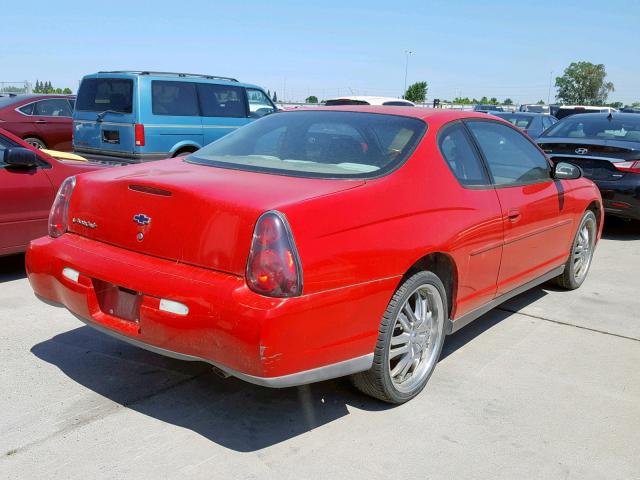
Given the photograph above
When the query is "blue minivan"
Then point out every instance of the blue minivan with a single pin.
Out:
(130, 117)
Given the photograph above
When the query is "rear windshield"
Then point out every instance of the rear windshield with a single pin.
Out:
(345, 101)
(319, 144)
(520, 121)
(598, 127)
(100, 94)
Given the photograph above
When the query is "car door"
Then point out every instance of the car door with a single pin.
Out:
(26, 196)
(537, 226)
(52, 117)
(480, 240)
(223, 108)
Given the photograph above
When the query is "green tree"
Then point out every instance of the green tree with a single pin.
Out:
(583, 83)
(269, 93)
(311, 99)
(616, 105)
(507, 101)
(540, 102)
(67, 91)
(275, 97)
(417, 92)
(493, 101)
(484, 100)
(58, 90)
(635, 104)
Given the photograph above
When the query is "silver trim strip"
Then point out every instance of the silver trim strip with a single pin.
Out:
(590, 157)
(93, 122)
(327, 372)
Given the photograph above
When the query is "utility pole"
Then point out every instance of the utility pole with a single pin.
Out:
(406, 70)
(549, 93)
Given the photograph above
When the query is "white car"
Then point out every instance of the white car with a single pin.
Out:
(369, 100)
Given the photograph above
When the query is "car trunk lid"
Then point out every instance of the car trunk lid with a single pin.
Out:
(596, 158)
(195, 214)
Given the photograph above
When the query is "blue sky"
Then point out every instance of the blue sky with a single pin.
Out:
(327, 48)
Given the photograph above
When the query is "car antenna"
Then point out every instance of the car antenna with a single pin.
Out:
(610, 116)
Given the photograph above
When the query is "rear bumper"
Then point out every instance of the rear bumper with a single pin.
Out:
(621, 197)
(120, 159)
(267, 341)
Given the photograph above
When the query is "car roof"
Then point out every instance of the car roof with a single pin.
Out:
(24, 97)
(369, 98)
(173, 76)
(523, 114)
(443, 114)
(614, 115)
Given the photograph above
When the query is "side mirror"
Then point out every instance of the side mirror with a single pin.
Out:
(566, 171)
(20, 157)
(261, 112)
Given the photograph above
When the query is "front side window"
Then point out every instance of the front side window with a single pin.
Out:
(259, 103)
(511, 158)
(56, 107)
(221, 100)
(101, 94)
(3, 147)
(174, 98)
(520, 121)
(461, 156)
(320, 144)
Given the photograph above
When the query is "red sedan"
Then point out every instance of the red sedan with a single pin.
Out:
(319, 243)
(43, 121)
(29, 180)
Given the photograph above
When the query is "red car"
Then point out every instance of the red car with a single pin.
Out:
(29, 180)
(43, 121)
(319, 243)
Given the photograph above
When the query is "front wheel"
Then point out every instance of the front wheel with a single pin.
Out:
(584, 243)
(410, 340)
(35, 142)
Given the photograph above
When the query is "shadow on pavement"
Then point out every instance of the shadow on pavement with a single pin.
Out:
(12, 268)
(618, 229)
(230, 412)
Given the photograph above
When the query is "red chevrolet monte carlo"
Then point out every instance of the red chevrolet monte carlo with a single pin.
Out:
(314, 244)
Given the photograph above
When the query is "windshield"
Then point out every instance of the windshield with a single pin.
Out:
(520, 121)
(599, 127)
(325, 144)
(101, 94)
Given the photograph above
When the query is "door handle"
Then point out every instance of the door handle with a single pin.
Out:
(514, 214)
(40, 121)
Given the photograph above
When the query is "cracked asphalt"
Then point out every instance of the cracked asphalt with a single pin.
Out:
(545, 386)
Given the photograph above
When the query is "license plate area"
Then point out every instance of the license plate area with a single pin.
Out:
(118, 301)
(111, 136)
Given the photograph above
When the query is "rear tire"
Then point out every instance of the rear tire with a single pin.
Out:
(410, 340)
(581, 254)
(35, 142)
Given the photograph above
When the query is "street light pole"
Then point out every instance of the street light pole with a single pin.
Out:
(406, 70)
(549, 92)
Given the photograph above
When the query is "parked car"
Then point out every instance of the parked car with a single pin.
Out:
(533, 124)
(630, 109)
(43, 121)
(29, 180)
(319, 243)
(534, 108)
(369, 100)
(561, 111)
(129, 117)
(487, 108)
(607, 149)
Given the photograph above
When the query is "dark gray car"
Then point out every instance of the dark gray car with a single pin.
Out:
(533, 124)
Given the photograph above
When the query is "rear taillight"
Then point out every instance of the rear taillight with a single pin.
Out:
(273, 267)
(139, 134)
(58, 216)
(629, 167)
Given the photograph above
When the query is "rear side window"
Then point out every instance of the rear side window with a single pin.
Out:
(221, 100)
(27, 109)
(511, 158)
(174, 98)
(259, 103)
(53, 108)
(457, 150)
(100, 94)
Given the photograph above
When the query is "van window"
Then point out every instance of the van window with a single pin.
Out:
(221, 100)
(259, 103)
(174, 98)
(100, 94)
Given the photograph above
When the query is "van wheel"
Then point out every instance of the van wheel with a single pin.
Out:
(584, 243)
(183, 153)
(410, 340)
(35, 142)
